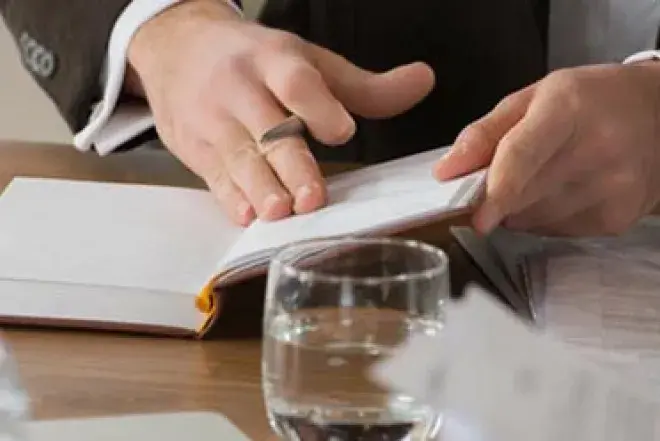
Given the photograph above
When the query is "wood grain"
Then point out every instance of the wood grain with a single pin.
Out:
(85, 373)
(80, 373)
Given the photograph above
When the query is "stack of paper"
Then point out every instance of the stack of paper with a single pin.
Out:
(601, 295)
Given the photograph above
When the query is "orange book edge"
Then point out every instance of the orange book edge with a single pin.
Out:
(208, 303)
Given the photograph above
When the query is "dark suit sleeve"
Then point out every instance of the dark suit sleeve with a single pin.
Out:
(63, 46)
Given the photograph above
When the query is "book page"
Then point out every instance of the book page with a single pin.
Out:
(155, 238)
(373, 198)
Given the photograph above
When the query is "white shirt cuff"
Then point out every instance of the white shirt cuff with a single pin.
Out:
(643, 56)
(109, 125)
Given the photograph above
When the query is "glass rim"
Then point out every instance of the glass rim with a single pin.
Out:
(309, 275)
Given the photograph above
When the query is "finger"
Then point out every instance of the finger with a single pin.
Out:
(475, 145)
(249, 170)
(298, 170)
(569, 200)
(519, 156)
(289, 158)
(564, 174)
(300, 88)
(231, 197)
(205, 161)
(371, 95)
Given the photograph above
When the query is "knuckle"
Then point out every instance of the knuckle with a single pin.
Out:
(622, 181)
(520, 153)
(220, 184)
(236, 63)
(290, 79)
(567, 87)
(605, 133)
(281, 41)
(217, 180)
(477, 134)
(605, 139)
(241, 155)
(510, 101)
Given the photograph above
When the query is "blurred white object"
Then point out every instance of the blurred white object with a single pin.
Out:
(14, 402)
(193, 426)
(455, 428)
(501, 379)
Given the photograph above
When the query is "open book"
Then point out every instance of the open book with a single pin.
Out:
(156, 259)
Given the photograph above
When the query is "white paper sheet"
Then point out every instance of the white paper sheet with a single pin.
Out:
(100, 234)
(369, 199)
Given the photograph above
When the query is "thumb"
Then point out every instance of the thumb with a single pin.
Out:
(476, 144)
(373, 95)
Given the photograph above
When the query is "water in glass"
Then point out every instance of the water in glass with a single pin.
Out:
(335, 307)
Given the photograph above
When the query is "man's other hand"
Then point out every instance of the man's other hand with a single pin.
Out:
(216, 82)
(576, 154)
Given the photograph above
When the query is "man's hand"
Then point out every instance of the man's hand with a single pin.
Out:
(216, 83)
(575, 154)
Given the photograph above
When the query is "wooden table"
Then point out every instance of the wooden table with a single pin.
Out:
(74, 374)
(71, 374)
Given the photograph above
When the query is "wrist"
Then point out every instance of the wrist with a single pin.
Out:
(155, 37)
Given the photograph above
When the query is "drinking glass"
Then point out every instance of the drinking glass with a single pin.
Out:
(333, 308)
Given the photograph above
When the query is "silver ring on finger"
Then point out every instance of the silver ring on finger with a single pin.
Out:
(292, 126)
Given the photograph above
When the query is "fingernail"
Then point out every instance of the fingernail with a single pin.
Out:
(440, 170)
(459, 148)
(348, 131)
(243, 209)
(308, 198)
(303, 193)
(271, 201)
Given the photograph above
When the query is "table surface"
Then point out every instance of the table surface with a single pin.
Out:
(78, 373)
